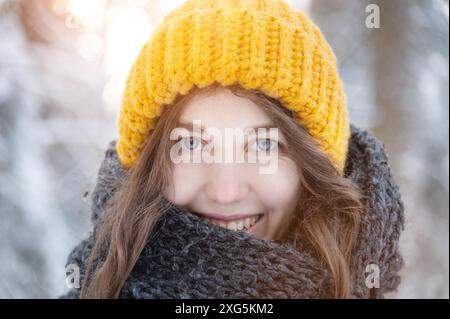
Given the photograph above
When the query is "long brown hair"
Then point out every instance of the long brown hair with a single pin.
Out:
(327, 217)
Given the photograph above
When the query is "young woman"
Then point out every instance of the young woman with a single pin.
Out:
(174, 219)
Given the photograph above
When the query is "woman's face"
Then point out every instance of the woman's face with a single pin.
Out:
(228, 191)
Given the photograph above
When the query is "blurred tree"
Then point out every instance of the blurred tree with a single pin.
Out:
(396, 80)
(53, 134)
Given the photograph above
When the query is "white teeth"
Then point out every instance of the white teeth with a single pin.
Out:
(232, 226)
(247, 222)
(236, 224)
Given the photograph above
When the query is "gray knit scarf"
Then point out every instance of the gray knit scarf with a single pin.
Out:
(186, 257)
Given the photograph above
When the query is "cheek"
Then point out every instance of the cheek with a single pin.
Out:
(186, 184)
(279, 192)
(280, 189)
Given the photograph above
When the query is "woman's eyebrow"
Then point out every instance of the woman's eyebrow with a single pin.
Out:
(266, 126)
(189, 126)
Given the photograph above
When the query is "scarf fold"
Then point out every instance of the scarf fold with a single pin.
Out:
(186, 257)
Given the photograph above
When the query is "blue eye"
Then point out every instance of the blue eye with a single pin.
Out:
(191, 143)
(267, 145)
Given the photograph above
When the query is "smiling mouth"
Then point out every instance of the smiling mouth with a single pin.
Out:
(246, 224)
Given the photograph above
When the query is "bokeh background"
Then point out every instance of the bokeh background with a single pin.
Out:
(63, 65)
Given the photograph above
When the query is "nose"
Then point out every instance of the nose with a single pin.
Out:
(226, 184)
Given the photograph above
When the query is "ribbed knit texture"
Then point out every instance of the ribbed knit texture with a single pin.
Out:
(187, 257)
(259, 44)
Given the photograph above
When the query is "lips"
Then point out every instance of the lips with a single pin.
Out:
(236, 222)
(225, 217)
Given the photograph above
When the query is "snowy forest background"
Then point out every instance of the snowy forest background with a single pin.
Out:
(62, 69)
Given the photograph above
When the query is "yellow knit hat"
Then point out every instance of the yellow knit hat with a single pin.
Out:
(259, 44)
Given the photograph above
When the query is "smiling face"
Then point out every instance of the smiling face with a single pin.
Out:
(234, 194)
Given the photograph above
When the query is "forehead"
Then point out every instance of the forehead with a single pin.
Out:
(221, 108)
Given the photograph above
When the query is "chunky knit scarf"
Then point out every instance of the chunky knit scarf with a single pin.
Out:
(186, 257)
